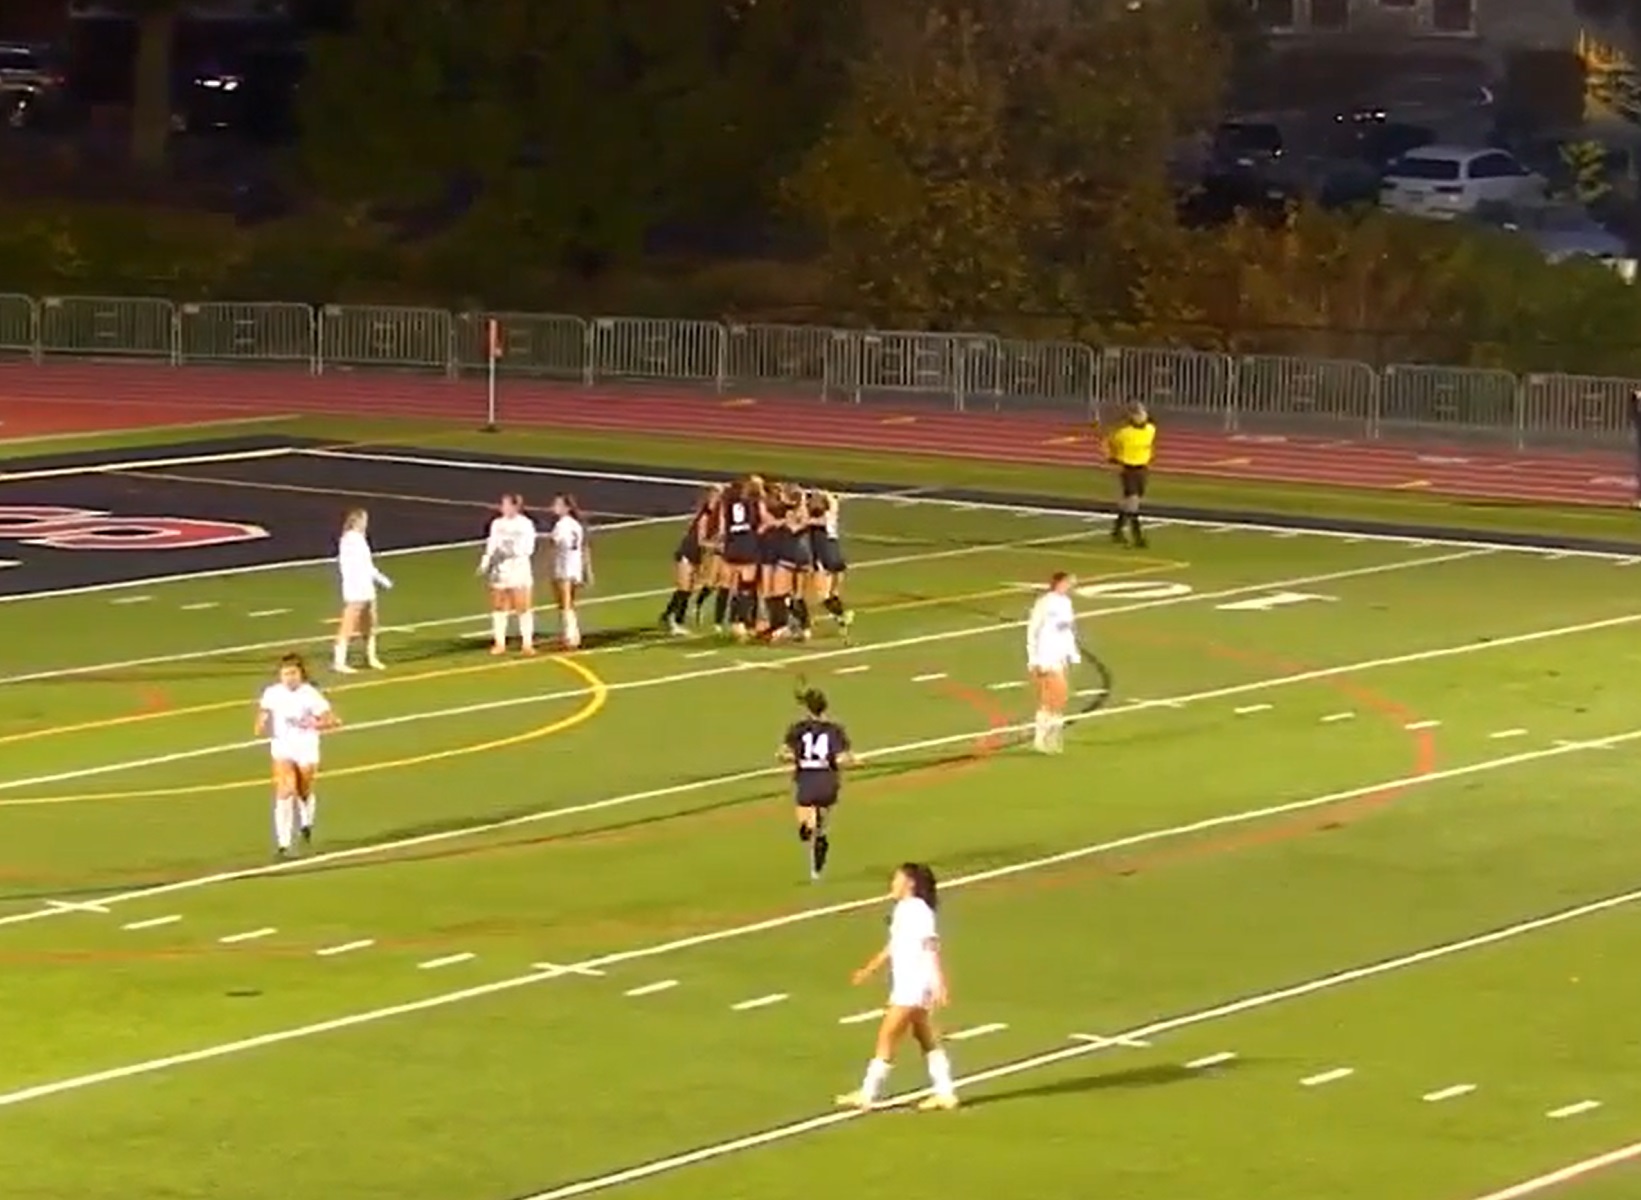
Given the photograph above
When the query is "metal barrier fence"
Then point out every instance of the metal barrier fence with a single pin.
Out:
(1247, 394)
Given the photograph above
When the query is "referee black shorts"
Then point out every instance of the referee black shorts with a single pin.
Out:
(1134, 480)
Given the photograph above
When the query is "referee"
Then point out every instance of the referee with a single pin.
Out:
(1130, 447)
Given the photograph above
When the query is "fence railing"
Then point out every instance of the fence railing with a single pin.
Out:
(1249, 394)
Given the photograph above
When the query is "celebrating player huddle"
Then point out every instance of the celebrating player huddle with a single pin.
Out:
(764, 553)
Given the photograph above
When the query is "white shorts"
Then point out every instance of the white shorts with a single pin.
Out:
(302, 754)
(513, 575)
(361, 592)
(570, 569)
(1053, 664)
(917, 991)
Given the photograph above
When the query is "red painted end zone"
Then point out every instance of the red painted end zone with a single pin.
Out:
(163, 395)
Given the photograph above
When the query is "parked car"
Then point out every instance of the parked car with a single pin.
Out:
(1562, 233)
(1447, 181)
(1246, 146)
(32, 84)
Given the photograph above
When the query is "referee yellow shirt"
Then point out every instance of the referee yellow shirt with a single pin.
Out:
(1132, 445)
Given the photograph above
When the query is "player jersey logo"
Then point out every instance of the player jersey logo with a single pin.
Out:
(59, 528)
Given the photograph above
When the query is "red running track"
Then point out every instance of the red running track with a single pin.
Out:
(64, 398)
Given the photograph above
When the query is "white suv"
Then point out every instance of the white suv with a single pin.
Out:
(1446, 181)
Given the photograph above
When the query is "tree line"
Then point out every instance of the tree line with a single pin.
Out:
(951, 163)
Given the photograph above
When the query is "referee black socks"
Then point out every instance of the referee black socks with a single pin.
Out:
(677, 608)
(823, 847)
(720, 607)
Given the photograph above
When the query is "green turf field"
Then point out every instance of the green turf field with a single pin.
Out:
(1332, 896)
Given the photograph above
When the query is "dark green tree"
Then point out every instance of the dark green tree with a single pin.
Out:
(580, 124)
(1002, 153)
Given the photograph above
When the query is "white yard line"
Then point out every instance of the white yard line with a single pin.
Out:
(759, 1002)
(1573, 1110)
(1327, 1077)
(1091, 511)
(372, 849)
(786, 661)
(1210, 1060)
(895, 560)
(975, 1031)
(861, 1018)
(346, 948)
(152, 922)
(119, 466)
(1323, 983)
(594, 966)
(250, 935)
(651, 989)
(1442, 1095)
(1571, 1173)
(446, 960)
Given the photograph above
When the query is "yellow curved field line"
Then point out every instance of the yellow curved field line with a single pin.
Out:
(248, 703)
(598, 695)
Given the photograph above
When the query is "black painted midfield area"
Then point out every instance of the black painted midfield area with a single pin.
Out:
(66, 529)
(164, 516)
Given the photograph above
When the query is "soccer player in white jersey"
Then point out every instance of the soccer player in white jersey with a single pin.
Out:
(292, 715)
(360, 579)
(508, 565)
(572, 565)
(917, 986)
(1051, 651)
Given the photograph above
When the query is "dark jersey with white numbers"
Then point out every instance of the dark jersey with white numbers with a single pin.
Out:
(815, 746)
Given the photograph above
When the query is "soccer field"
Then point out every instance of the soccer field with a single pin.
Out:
(1332, 894)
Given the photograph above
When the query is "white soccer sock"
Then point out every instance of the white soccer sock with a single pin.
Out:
(1039, 730)
(940, 1073)
(305, 810)
(877, 1071)
(340, 655)
(370, 649)
(572, 629)
(284, 821)
(527, 628)
(498, 625)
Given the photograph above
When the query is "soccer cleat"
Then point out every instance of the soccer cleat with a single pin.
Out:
(678, 629)
(527, 651)
(343, 668)
(377, 664)
(307, 835)
(283, 852)
(498, 648)
(854, 1100)
(937, 1103)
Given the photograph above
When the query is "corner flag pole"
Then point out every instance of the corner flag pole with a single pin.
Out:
(493, 349)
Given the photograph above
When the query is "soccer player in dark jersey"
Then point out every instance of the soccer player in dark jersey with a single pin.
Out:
(691, 565)
(738, 521)
(818, 749)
